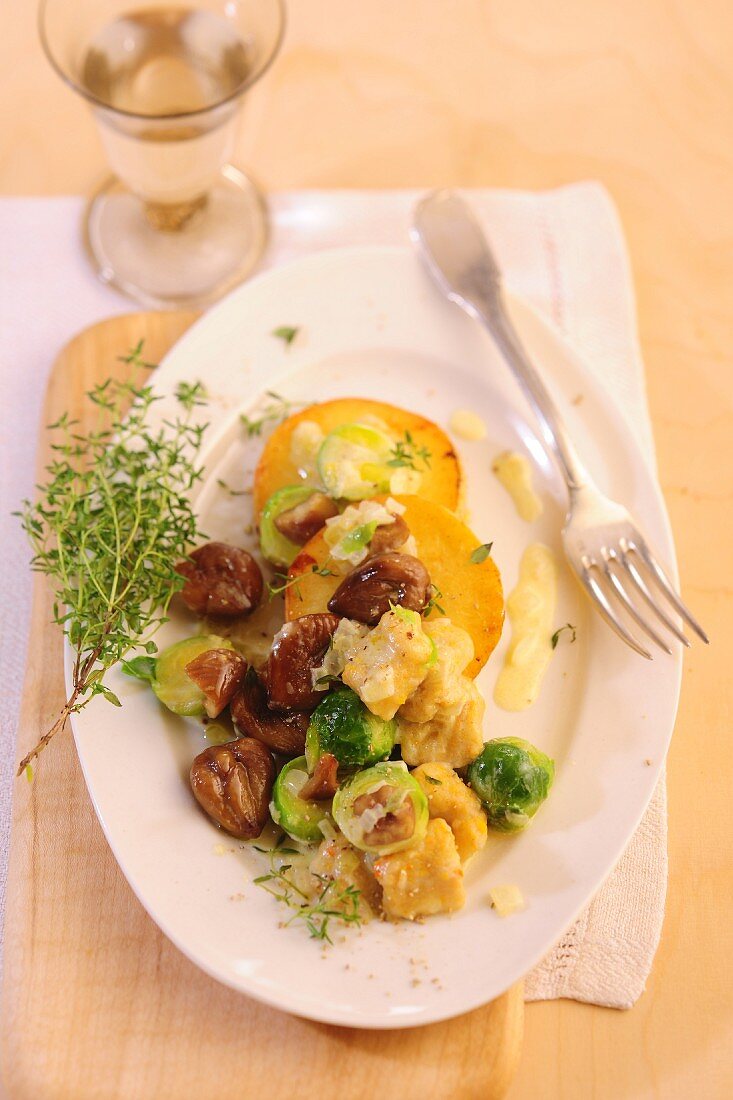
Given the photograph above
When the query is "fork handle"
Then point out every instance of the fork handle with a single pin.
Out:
(460, 259)
(492, 312)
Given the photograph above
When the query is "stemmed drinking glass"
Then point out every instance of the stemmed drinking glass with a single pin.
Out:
(177, 224)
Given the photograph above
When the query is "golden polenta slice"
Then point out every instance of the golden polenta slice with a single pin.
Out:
(471, 592)
(441, 480)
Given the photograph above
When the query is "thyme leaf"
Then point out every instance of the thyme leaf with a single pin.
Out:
(281, 582)
(556, 636)
(286, 333)
(406, 452)
(331, 903)
(481, 553)
(278, 409)
(432, 604)
(232, 492)
(143, 668)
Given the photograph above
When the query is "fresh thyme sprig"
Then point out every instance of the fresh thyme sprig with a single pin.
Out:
(406, 452)
(191, 395)
(110, 523)
(332, 902)
(134, 357)
(281, 582)
(433, 604)
(276, 411)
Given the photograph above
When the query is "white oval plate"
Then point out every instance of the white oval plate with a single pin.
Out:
(371, 324)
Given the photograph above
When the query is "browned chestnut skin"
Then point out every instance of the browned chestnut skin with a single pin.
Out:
(391, 828)
(221, 580)
(233, 784)
(324, 782)
(303, 521)
(366, 593)
(218, 672)
(298, 648)
(389, 536)
(283, 733)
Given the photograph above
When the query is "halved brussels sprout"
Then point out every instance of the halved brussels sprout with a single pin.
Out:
(352, 462)
(273, 544)
(299, 817)
(512, 778)
(173, 686)
(382, 809)
(343, 726)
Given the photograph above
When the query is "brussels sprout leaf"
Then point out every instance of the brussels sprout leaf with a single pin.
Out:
(358, 538)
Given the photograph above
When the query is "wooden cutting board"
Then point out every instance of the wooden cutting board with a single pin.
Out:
(97, 1004)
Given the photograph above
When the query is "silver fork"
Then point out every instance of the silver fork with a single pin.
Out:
(604, 546)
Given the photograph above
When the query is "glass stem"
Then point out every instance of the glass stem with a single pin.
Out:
(172, 217)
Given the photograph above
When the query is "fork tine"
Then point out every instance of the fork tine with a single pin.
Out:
(667, 587)
(631, 609)
(649, 599)
(596, 593)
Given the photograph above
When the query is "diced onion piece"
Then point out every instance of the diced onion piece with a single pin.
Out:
(506, 899)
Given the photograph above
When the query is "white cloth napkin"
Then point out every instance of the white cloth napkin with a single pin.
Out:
(563, 250)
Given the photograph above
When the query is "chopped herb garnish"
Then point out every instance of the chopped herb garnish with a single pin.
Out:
(556, 636)
(432, 604)
(434, 781)
(481, 553)
(281, 582)
(332, 903)
(232, 492)
(29, 772)
(276, 411)
(110, 523)
(406, 452)
(286, 333)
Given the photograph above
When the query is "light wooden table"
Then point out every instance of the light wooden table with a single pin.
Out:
(534, 93)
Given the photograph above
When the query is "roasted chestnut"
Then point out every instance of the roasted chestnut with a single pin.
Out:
(218, 672)
(298, 648)
(302, 522)
(394, 826)
(221, 580)
(283, 733)
(324, 782)
(233, 784)
(366, 593)
(389, 536)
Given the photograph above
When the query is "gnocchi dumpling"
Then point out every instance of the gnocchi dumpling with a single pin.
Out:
(444, 685)
(451, 800)
(424, 879)
(454, 735)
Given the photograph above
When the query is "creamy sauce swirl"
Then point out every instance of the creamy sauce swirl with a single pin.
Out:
(531, 611)
(468, 425)
(515, 474)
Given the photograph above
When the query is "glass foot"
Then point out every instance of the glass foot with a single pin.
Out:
(176, 257)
